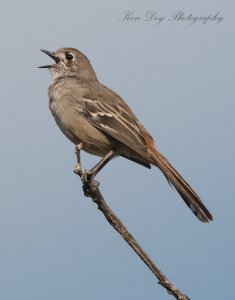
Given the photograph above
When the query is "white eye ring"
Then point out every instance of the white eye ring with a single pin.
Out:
(69, 56)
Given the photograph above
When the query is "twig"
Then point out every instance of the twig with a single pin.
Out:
(91, 190)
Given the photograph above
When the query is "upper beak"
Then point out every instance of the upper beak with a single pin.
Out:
(53, 56)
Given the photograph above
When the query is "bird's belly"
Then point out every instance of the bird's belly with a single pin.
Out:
(78, 130)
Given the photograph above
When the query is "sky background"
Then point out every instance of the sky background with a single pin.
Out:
(179, 80)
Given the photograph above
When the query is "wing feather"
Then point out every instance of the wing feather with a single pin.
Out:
(117, 122)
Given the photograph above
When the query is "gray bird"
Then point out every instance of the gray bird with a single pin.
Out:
(88, 112)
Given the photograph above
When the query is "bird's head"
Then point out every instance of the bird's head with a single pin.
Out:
(70, 62)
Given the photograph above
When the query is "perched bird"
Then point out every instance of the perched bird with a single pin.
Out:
(88, 112)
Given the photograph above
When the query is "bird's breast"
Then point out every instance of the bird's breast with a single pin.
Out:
(76, 127)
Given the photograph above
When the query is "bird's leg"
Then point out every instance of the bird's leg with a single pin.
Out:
(87, 177)
(95, 170)
(88, 186)
(78, 168)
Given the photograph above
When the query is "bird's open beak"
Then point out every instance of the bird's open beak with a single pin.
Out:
(53, 56)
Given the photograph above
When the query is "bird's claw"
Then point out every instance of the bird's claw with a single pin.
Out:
(87, 178)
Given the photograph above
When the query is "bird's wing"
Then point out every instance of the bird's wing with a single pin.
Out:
(109, 113)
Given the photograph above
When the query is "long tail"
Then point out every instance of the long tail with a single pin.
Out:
(186, 192)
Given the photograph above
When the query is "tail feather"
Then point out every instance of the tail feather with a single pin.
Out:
(186, 192)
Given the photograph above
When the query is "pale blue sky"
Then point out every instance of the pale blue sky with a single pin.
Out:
(179, 80)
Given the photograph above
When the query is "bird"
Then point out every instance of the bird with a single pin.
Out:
(90, 113)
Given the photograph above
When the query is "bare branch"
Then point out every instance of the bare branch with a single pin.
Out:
(90, 188)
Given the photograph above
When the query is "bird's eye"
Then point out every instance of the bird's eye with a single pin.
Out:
(69, 56)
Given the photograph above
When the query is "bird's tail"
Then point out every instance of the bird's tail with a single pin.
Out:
(186, 192)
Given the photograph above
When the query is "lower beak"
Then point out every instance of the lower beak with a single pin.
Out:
(53, 56)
